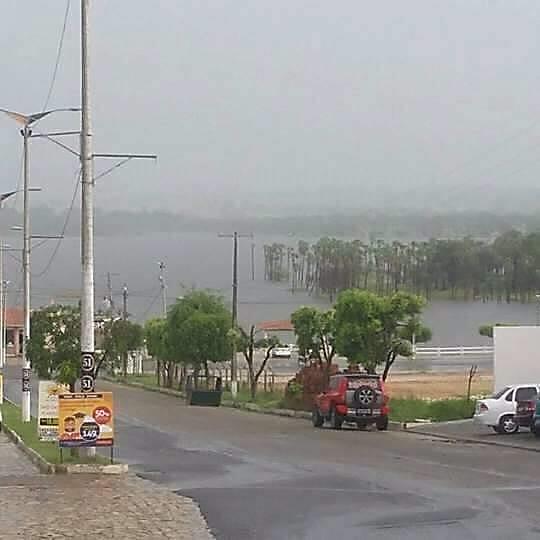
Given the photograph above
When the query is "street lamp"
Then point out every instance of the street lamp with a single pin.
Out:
(5, 247)
(26, 122)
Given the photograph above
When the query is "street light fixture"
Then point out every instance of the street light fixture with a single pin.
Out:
(26, 121)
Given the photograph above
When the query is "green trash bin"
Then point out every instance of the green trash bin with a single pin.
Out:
(204, 397)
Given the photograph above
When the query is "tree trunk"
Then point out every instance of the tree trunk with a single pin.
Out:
(390, 359)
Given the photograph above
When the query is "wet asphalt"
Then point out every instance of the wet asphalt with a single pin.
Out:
(271, 478)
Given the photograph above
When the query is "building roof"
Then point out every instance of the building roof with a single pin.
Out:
(14, 317)
(276, 326)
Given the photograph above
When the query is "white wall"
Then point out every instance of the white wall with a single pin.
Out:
(517, 355)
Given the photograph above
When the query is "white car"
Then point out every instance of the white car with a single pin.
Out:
(281, 352)
(498, 410)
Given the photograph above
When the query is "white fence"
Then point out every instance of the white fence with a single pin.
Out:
(454, 351)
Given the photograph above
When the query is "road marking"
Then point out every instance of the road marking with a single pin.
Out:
(507, 488)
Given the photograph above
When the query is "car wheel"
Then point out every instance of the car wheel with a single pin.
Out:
(335, 419)
(382, 423)
(317, 418)
(507, 425)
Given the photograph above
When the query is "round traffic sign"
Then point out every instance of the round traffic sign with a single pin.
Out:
(87, 383)
(88, 362)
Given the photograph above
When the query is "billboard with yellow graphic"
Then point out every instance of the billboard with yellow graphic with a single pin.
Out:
(85, 419)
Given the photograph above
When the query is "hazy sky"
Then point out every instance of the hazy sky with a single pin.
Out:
(284, 102)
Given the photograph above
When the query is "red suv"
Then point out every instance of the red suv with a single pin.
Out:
(352, 397)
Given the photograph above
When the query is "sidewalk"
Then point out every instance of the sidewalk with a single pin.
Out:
(36, 506)
(468, 431)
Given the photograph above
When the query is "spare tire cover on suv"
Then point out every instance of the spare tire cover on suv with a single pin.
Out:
(365, 396)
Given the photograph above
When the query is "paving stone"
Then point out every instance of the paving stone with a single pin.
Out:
(37, 506)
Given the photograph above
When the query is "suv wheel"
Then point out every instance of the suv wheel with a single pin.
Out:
(382, 423)
(507, 425)
(317, 418)
(335, 419)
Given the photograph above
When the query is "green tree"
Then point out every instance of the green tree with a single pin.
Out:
(373, 330)
(247, 343)
(54, 345)
(156, 335)
(198, 328)
(121, 337)
(315, 331)
(486, 330)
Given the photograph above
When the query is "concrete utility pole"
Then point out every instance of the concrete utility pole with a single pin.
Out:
(26, 132)
(163, 288)
(252, 261)
(87, 216)
(110, 296)
(87, 209)
(234, 371)
(125, 302)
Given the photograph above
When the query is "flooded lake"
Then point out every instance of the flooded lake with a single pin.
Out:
(205, 261)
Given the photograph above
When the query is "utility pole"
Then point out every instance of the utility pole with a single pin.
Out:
(234, 370)
(125, 302)
(163, 287)
(88, 362)
(252, 261)
(110, 296)
(164, 311)
(2, 308)
(26, 132)
(87, 210)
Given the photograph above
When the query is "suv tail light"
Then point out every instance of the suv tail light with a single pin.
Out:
(526, 407)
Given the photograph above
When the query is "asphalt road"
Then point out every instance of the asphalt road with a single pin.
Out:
(272, 478)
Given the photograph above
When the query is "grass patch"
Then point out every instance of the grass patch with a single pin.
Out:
(146, 380)
(265, 400)
(443, 410)
(27, 431)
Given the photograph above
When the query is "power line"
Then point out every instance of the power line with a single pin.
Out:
(151, 305)
(58, 55)
(64, 228)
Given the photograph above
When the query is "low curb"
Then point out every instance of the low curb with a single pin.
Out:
(42, 464)
(469, 440)
(49, 468)
(249, 407)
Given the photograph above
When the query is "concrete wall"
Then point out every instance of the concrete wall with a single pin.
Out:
(517, 355)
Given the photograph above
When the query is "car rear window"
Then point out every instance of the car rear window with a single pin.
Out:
(357, 382)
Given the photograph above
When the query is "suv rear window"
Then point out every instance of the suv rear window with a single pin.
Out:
(500, 393)
(356, 382)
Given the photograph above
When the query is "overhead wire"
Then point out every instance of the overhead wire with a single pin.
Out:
(64, 227)
(58, 56)
(150, 306)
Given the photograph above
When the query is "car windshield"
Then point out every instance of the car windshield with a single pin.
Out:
(500, 393)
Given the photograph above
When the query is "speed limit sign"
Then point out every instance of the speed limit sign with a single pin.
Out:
(88, 362)
(87, 383)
